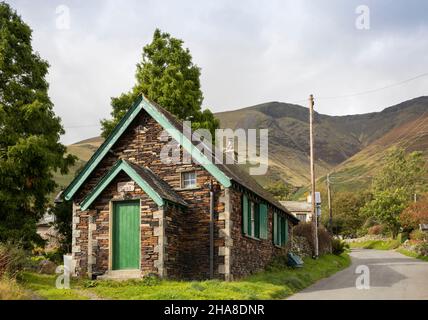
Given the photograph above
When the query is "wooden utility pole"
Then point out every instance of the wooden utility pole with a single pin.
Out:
(330, 211)
(311, 143)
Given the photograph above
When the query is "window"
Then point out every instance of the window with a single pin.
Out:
(188, 180)
(280, 230)
(254, 218)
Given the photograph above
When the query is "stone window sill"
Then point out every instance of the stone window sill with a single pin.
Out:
(188, 189)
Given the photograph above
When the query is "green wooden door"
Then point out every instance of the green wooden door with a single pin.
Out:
(126, 235)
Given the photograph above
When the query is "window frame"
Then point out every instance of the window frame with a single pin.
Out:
(183, 180)
(252, 223)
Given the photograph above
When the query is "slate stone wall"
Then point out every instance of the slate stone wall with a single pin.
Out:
(183, 234)
(250, 255)
(141, 144)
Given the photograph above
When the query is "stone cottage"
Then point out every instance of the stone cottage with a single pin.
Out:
(135, 215)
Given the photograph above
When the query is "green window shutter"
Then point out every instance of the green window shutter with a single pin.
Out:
(244, 214)
(275, 228)
(282, 231)
(256, 220)
(263, 221)
(286, 230)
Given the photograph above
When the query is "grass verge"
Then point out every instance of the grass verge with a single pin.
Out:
(43, 286)
(11, 290)
(277, 283)
(376, 244)
(412, 254)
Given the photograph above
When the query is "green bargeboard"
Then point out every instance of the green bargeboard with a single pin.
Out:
(126, 235)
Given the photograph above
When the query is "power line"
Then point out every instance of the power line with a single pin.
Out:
(377, 89)
(304, 100)
(367, 91)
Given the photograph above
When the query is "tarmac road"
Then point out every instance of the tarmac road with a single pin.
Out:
(392, 276)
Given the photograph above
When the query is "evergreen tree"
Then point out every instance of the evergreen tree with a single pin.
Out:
(29, 133)
(168, 76)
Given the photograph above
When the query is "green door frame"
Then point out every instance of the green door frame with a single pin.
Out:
(111, 231)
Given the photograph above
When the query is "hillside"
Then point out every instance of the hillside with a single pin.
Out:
(357, 171)
(337, 138)
(83, 150)
(350, 146)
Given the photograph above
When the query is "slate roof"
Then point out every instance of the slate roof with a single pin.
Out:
(159, 185)
(297, 206)
(232, 172)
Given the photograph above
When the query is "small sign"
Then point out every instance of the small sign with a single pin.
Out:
(317, 198)
(126, 186)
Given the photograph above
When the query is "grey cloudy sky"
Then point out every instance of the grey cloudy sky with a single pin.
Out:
(249, 51)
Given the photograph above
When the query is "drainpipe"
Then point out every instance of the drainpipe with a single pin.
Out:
(211, 230)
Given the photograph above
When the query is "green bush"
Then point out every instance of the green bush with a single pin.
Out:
(55, 256)
(338, 246)
(422, 249)
(418, 235)
(402, 237)
(277, 263)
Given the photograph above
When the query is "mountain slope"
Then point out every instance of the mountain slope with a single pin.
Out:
(337, 138)
(357, 172)
(83, 150)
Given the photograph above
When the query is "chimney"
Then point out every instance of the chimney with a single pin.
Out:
(231, 156)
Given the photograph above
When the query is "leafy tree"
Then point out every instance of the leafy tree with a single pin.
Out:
(401, 170)
(167, 76)
(29, 133)
(63, 212)
(63, 220)
(387, 206)
(415, 214)
(280, 190)
(394, 187)
(347, 219)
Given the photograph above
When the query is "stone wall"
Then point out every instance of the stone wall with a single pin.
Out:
(250, 255)
(142, 145)
(175, 242)
(174, 260)
(301, 246)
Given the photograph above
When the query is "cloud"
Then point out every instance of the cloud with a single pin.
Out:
(249, 51)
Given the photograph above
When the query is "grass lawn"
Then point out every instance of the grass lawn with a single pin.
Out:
(277, 283)
(412, 254)
(43, 287)
(376, 244)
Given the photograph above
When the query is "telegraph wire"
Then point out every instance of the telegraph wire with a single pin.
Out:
(356, 94)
